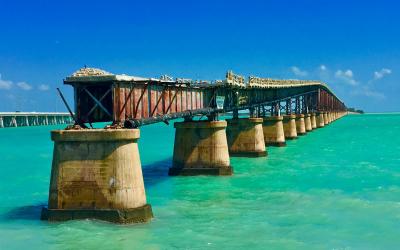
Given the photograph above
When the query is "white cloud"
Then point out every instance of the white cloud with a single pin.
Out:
(374, 94)
(366, 91)
(43, 87)
(347, 76)
(4, 84)
(298, 72)
(380, 74)
(323, 68)
(24, 86)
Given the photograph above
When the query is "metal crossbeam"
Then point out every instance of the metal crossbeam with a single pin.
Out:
(97, 102)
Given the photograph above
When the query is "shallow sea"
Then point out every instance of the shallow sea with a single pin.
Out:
(335, 188)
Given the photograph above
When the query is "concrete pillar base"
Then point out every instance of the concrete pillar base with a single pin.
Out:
(313, 121)
(307, 122)
(326, 120)
(249, 154)
(320, 120)
(289, 127)
(199, 171)
(122, 216)
(97, 174)
(300, 124)
(201, 148)
(273, 131)
(245, 137)
(277, 144)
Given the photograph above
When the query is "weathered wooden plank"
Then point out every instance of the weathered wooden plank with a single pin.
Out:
(138, 110)
(153, 98)
(121, 103)
(145, 102)
(189, 99)
(179, 100)
(115, 103)
(128, 96)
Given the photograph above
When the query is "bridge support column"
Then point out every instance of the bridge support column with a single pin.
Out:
(289, 127)
(273, 131)
(307, 122)
(326, 120)
(300, 124)
(97, 174)
(313, 120)
(14, 122)
(245, 137)
(201, 148)
(320, 120)
(1, 122)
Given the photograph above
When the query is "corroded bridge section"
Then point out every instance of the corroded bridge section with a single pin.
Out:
(135, 101)
(96, 173)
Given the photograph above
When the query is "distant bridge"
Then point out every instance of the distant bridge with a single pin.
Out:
(20, 119)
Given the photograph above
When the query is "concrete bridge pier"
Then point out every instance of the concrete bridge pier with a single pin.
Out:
(320, 120)
(300, 124)
(14, 122)
(289, 127)
(307, 122)
(326, 120)
(96, 173)
(201, 148)
(273, 131)
(245, 137)
(313, 120)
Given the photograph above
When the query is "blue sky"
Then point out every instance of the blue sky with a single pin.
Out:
(351, 45)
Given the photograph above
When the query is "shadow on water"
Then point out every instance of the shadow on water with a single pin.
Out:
(156, 172)
(153, 173)
(24, 213)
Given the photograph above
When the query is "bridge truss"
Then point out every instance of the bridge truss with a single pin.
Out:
(136, 101)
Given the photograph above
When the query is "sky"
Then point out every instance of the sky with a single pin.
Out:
(353, 46)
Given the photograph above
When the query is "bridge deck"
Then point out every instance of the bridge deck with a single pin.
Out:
(101, 96)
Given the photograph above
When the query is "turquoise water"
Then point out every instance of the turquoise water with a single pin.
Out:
(335, 188)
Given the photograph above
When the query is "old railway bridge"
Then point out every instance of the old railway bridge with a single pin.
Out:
(96, 173)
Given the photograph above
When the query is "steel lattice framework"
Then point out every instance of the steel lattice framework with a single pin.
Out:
(135, 101)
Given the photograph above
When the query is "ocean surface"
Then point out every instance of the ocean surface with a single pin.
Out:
(335, 188)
